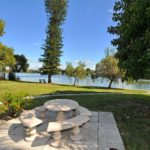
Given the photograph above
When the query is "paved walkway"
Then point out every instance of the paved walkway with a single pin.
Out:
(100, 133)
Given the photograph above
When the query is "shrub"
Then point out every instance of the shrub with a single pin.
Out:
(11, 76)
(13, 105)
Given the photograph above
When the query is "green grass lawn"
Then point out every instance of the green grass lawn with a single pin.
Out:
(38, 89)
(131, 108)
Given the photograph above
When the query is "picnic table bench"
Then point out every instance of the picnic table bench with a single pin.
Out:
(42, 81)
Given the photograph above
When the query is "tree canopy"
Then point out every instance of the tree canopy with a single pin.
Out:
(78, 72)
(6, 54)
(88, 71)
(6, 57)
(108, 68)
(56, 12)
(21, 63)
(133, 37)
(2, 25)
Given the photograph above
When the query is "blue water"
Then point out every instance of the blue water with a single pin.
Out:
(63, 79)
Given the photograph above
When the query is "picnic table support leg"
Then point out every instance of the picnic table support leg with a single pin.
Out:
(42, 114)
(76, 136)
(75, 112)
(60, 116)
(57, 139)
(30, 134)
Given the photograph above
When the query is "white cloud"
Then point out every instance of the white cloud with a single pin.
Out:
(34, 64)
(62, 66)
(109, 19)
(110, 10)
(88, 63)
(36, 44)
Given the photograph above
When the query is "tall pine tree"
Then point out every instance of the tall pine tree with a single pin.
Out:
(56, 12)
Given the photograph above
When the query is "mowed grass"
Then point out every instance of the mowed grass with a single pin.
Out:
(38, 89)
(131, 108)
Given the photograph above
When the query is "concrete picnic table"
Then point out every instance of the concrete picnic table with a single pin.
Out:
(61, 106)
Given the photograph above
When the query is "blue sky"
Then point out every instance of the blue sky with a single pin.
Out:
(85, 29)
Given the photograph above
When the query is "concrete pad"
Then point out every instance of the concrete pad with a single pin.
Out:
(100, 133)
(90, 125)
(94, 119)
(19, 130)
(109, 136)
(94, 113)
(106, 118)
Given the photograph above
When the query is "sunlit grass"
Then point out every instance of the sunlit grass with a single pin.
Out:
(38, 89)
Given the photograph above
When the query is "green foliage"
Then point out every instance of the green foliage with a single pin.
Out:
(13, 105)
(56, 12)
(109, 51)
(108, 68)
(12, 76)
(78, 72)
(88, 71)
(69, 69)
(6, 53)
(21, 63)
(2, 25)
(133, 37)
(6, 57)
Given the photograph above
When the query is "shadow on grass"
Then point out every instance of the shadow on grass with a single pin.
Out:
(98, 102)
(57, 92)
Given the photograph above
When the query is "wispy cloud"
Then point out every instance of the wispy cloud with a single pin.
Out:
(36, 44)
(109, 19)
(88, 63)
(34, 64)
(110, 11)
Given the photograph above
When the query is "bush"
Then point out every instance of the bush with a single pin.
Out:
(11, 76)
(13, 105)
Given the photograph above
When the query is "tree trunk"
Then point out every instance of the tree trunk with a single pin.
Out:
(49, 78)
(110, 83)
(75, 81)
(4, 76)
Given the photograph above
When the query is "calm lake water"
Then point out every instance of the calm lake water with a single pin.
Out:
(63, 79)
